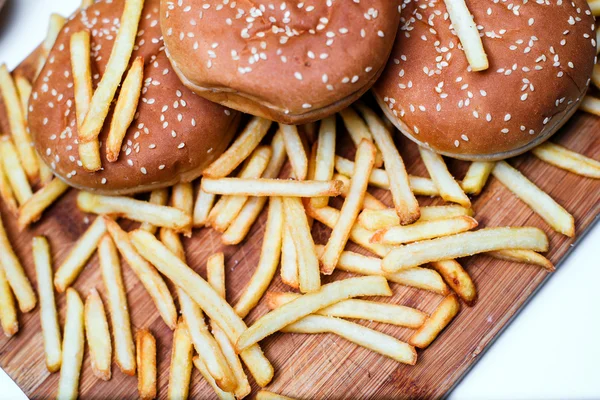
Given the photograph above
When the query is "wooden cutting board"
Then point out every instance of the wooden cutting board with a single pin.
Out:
(325, 366)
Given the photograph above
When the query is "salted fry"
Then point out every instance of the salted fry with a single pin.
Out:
(145, 346)
(266, 395)
(73, 347)
(6, 191)
(136, 210)
(48, 315)
(369, 201)
(271, 187)
(202, 207)
(539, 201)
(466, 30)
(567, 159)
(458, 279)
(295, 151)
(98, 336)
(33, 208)
(183, 199)
(8, 312)
(441, 317)
(289, 258)
(55, 25)
(449, 189)
(476, 177)
(160, 198)
(14, 171)
(180, 371)
(325, 156)
(24, 90)
(590, 104)
(464, 244)
(125, 108)
(239, 150)
(358, 130)
(424, 230)
(375, 219)
(221, 395)
(110, 267)
(524, 256)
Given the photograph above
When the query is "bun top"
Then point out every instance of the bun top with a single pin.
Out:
(174, 135)
(290, 61)
(541, 55)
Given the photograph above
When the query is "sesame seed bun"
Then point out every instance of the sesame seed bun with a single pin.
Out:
(174, 135)
(292, 62)
(541, 57)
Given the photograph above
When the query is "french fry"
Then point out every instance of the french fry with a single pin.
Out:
(145, 346)
(424, 230)
(183, 199)
(449, 189)
(597, 37)
(205, 296)
(464, 244)
(309, 303)
(266, 395)
(180, 371)
(309, 278)
(375, 219)
(136, 210)
(85, 4)
(125, 108)
(466, 30)
(72, 266)
(110, 267)
(369, 201)
(295, 151)
(33, 208)
(524, 256)
(365, 158)
(271, 187)
(539, 201)
(325, 156)
(160, 198)
(567, 159)
(441, 317)
(596, 74)
(14, 171)
(46, 174)
(358, 130)
(476, 177)
(55, 25)
(405, 203)
(98, 336)
(73, 347)
(17, 124)
(590, 104)
(458, 279)
(268, 262)
(6, 192)
(239, 150)
(24, 90)
(594, 7)
(289, 258)
(222, 395)
(202, 207)
(8, 312)
(17, 279)
(359, 309)
(48, 315)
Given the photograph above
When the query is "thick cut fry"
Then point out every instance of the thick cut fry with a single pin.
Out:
(375, 219)
(202, 207)
(271, 187)
(24, 90)
(365, 158)
(449, 189)
(221, 395)
(110, 267)
(18, 280)
(98, 336)
(6, 192)
(567, 159)
(180, 371)
(17, 124)
(8, 312)
(72, 266)
(368, 338)
(240, 149)
(476, 177)
(268, 262)
(48, 315)
(309, 278)
(73, 347)
(539, 201)
(266, 395)
(325, 156)
(590, 104)
(405, 203)
(369, 201)
(33, 208)
(183, 199)
(441, 317)
(205, 296)
(145, 346)
(160, 198)
(466, 30)
(309, 303)
(295, 151)
(524, 256)
(14, 171)
(136, 210)
(464, 244)
(289, 258)
(125, 108)
(458, 279)
(424, 230)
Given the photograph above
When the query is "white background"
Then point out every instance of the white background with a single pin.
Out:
(552, 350)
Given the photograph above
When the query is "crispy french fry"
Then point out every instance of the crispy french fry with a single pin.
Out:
(567, 159)
(449, 189)
(180, 371)
(590, 104)
(46, 174)
(145, 346)
(222, 395)
(72, 266)
(524, 256)
(325, 156)
(476, 177)
(369, 201)
(467, 32)
(24, 90)
(539, 201)
(6, 192)
(18, 280)
(98, 336)
(441, 317)
(358, 130)
(136, 210)
(14, 171)
(33, 208)
(375, 219)
(458, 279)
(424, 230)
(55, 25)
(295, 151)
(125, 108)
(464, 244)
(8, 312)
(48, 315)
(271, 187)
(202, 207)
(85, 4)
(266, 395)
(160, 198)
(240, 149)
(309, 303)
(215, 273)
(289, 258)
(73, 347)
(89, 155)
(110, 268)
(183, 199)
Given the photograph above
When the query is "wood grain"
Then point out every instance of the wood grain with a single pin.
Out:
(324, 366)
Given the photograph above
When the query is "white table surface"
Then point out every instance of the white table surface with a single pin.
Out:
(550, 351)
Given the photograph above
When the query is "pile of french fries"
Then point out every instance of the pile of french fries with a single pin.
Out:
(407, 244)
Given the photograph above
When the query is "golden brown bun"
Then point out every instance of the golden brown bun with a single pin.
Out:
(292, 62)
(541, 57)
(175, 135)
